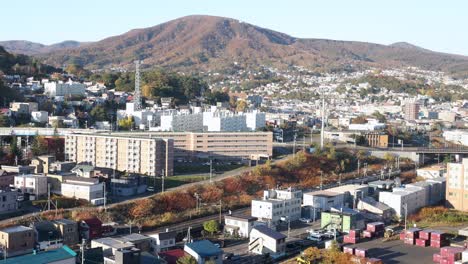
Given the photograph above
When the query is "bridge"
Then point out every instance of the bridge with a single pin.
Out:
(43, 131)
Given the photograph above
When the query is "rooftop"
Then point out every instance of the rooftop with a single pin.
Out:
(347, 188)
(269, 232)
(43, 257)
(241, 217)
(15, 229)
(324, 193)
(204, 248)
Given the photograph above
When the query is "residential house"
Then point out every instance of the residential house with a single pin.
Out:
(63, 255)
(264, 240)
(8, 201)
(46, 235)
(31, 184)
(163, 241)
(204, 251)
(90, 228)
(238, 225)
(84, 170)
(278, 205)
(89, 189)
(322, 200)
(68, 230)
(6, 179)
(17, 240)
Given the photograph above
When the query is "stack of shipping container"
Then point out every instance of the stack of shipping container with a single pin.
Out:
(352, 237)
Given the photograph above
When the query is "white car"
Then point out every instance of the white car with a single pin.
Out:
(305, 220)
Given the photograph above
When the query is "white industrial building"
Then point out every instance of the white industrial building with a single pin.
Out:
(89, 189)
(415, 196)
(457, 137)
(255, 120)
(323, 200)
(31, 184)
(224, 121)
(431, 172)
(278, 205)
(70, 88)
(182, 122)
(39, 116)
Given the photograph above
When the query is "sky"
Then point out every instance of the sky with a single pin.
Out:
(433, 24)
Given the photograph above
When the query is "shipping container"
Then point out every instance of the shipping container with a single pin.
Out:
(402, 236)
(374, 261)
(425, 234)
(354, 232)
(367, 234)
(410, 241)
(439, 244)
(360, 252)
(436, 257)
(422, 242)
(348, 250)
(375, 226)
(351, 240)
(439, 236)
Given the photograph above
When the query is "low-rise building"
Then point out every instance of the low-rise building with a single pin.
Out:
(322, 200)
(90, 228)
(17, 240)
(457, 185)
(238, 225)
(63, 255)
(8, 201)
(342, 219)
(89, 189)
(34, 185)
(278, 205)
(264, 240)
(68, 230)
(163, 241)
(431, 172)
(204, 251)
(129, 185)
(46, 235)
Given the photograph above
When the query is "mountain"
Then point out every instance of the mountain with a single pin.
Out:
(32, 48)
(22, 64)
(209, 42)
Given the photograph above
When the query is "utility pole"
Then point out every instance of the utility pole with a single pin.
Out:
(322, 132)
(294, 146)
(162, 181)
(211, 170)
(82, 249)
(48, 197)
(105, 197)
(220, 210)
(358, 167)
(406, 213)
(321, 180)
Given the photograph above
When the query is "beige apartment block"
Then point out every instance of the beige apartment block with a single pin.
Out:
(17, 240)
(457, 185)
(144, 155)
(216, 145)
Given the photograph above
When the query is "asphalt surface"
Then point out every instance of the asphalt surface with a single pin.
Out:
(396, 251)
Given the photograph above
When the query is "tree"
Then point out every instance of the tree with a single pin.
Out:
(241, 106)
(389, 157)
(211, 226)
(39, 146)
(126, 123)
(312, 255)
(142, 208)
(99, 113)
(187, 259)
(4, 121)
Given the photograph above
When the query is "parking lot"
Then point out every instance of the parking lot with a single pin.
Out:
(397, 252)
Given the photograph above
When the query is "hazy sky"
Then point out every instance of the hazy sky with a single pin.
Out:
(440, 25)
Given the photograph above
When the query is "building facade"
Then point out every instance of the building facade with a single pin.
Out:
(70, 88)
(17, 240)
(411, 111)
(457, 185)
(31, 184)
(150, 156)
(89, 189)
(217, 145)
(277, 206)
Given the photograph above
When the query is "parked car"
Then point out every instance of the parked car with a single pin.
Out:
(150, 189)
(305, 220)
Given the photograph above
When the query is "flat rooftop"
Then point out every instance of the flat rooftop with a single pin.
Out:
(323, 193)
(347, 188)
(15, 229)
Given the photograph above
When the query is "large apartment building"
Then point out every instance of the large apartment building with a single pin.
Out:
(144, 155)
(457, 185)
(217, 145)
